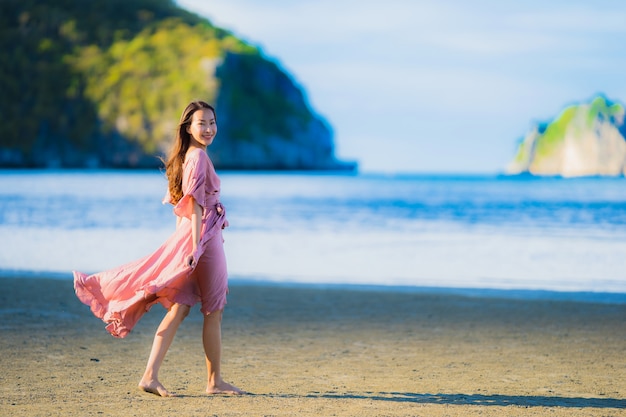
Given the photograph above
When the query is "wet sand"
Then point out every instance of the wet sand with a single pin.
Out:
(320, 352)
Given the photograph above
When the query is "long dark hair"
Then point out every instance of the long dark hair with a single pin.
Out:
(176, 158)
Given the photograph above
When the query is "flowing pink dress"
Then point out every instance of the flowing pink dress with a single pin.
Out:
(122, 295)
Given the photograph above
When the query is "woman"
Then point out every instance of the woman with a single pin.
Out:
(189, 267)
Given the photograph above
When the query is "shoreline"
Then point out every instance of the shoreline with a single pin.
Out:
(321, 351)
(600, 297)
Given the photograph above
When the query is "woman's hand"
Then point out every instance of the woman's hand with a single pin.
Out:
(191, 261)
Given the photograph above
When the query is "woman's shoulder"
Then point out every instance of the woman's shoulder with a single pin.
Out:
(195, 156)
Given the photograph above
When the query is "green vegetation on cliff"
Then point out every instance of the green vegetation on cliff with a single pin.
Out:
(102, 83)
(554, 132)
(137, 83)
(584, 139)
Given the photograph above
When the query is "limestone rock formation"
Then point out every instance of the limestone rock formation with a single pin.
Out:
(587, 139)
(88, 86)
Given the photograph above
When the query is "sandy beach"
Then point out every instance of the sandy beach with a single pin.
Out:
(320, 352)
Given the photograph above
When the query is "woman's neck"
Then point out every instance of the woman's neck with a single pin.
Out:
(193, 146)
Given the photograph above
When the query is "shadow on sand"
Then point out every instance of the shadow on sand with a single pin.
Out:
(480, 399)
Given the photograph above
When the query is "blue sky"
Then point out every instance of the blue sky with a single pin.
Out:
(433, 86)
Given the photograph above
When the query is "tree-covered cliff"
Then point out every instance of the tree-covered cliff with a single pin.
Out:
(587, 139)
(103, 83)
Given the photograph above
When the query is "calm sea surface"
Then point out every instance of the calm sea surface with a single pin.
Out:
(486, 232)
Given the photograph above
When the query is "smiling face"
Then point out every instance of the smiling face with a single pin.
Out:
(202, 128)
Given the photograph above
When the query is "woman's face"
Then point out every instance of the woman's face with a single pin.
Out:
(202, 128)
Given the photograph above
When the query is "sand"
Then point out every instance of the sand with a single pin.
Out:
(320, 352)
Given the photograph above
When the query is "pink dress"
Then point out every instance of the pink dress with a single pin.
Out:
(121, 296)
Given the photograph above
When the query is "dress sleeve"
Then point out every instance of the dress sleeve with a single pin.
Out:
(167, 198)
(194, 178)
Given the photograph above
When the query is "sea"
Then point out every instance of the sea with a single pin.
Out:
(484, 235)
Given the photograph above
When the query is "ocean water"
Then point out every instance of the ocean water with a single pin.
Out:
(464, 232)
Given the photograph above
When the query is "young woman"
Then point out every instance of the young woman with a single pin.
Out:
(189, 267)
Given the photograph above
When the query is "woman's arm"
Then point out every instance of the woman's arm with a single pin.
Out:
(196, 224)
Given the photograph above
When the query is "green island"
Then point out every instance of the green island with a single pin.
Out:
(101, 84)
(585, 139)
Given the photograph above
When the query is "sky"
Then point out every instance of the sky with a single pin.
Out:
(435, 86)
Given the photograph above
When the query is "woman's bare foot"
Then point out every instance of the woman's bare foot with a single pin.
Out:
(224, 388)
(154, 387)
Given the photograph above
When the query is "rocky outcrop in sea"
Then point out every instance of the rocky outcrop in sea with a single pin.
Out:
(586, 139)
(87, 86)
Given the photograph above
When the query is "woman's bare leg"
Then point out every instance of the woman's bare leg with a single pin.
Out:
(162, 342)
(212, 341)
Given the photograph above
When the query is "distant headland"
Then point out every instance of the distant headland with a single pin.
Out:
(102, 84)
(585, 139)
